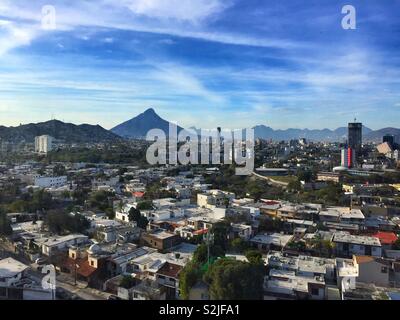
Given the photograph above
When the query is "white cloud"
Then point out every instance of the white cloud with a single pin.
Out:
(167, 41)
(180, 18)
(184, 10)
(108, 40)
(13, 36)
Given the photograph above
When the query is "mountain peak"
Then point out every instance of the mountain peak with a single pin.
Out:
(150, 111)
(140, 125)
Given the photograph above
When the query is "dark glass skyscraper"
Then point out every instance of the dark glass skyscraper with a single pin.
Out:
(389, 139)
(355, 136)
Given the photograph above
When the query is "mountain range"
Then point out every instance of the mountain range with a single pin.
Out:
(62, 131)
(138, 127)
(339, 134)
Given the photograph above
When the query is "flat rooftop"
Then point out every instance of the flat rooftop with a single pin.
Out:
(272, 238)
(348, 238)
(10, 267)
(342, 212)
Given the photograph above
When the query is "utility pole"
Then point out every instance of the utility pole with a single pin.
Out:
(76, 269)
(209, 239)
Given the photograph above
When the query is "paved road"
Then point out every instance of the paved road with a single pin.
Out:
(271, 181)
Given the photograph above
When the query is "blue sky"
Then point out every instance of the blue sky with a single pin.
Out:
(203, 63)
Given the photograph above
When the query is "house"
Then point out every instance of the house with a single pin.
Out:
(307, 277)
(341, 215)
(148, 290)
(122, 215)
(348, 245)
(50, 182)
(270, 207)
(270, 241)
(387, 239)
(201, 222)
(287, 284)
(373, 270)
(14, 285)
(378, 223)
(168, 276)
(292, 224)
(87, 264)
(121, 257)
(215, 198)
(53, 245)
(241, 231)
(11, 271)
(160, 240)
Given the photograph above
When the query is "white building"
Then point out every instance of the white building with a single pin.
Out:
(53, 245)
(307, 276)
(43, 144)
(342, 215)
(50, 182)
(215, 198)
(11, 271)
(348, 245)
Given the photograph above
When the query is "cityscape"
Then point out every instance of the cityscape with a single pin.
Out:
(144, 170)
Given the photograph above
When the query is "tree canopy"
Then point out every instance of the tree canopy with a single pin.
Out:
(135, 215)
(230, 279)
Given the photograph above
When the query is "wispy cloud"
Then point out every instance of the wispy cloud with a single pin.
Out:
(280, 63)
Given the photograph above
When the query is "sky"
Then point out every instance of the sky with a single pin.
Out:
(203, 63)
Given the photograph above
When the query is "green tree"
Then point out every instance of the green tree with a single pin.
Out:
(59, 170)
(220, 231)
(239, 245)
(200, 255)
(62, 223)
(396, 244)
(230, 279)
(135, 215)
(127, 282)
(5, 226)
(188, 278)
(145, 205)
(254, 257)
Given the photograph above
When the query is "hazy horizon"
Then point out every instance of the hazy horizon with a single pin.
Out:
(197, 127)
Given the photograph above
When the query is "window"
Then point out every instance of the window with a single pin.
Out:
(73, 255)
(92, 263)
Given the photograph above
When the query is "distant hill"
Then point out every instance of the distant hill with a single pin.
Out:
(139, 126)
(339, 134)
(377, 135)
(67, 132)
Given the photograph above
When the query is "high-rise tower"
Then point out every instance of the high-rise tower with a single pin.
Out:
(355, 135)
